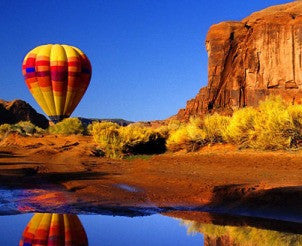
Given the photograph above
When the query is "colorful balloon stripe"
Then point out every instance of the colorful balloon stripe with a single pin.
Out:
(54, 230)
(57, 76)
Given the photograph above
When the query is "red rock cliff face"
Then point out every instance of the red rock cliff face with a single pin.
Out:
(250, 59)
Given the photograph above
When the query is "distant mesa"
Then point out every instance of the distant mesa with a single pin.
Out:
(12, 112)
(251, 59)
(121, 122)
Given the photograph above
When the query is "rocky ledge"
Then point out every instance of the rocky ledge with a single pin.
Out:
(250, 59)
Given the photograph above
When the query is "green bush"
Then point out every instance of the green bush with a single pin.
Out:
(22, 127)
(67, 126)
(25, 127)
(5, 129)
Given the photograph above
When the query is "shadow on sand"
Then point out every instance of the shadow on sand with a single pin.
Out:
(8, 154)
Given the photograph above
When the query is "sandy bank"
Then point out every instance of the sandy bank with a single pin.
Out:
(218, 178)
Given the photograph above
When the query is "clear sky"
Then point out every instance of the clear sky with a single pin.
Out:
(148, 56)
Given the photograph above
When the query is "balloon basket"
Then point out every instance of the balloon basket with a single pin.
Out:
(57, 118)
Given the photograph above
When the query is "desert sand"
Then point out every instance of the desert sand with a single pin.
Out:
(217, 178)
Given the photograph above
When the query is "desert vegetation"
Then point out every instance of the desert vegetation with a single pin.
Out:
(273, 125)
(23, 128)
(68, 126)
(116, 141)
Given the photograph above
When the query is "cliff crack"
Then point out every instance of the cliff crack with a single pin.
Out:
(293, 53)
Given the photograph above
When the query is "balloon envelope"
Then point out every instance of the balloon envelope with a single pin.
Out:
(54, 230)
(57, 77)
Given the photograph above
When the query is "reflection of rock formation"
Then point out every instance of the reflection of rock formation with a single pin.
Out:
(54, 230)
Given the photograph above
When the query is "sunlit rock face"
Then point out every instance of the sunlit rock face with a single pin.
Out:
(250, 59)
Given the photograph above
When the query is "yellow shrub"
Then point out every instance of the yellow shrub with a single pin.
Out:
(244, 235)
(106, 135)
(295, 112)
(134, 134)
(178, 139)
(215, 126)
(89, 129)
(118, 141)
(22, 127)
(165, 130)
(138, 139)
(174, 125)
(25, 127)
(67, 127)
(5, 129)
(239, 126)
(189, 136)
(273, 126)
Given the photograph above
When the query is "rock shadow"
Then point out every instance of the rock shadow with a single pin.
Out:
(8, 154)
(26, 178)
(280, 202)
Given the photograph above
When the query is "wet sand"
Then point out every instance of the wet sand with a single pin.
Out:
(218, 178)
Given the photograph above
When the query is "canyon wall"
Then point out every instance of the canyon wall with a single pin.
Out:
(250, 59)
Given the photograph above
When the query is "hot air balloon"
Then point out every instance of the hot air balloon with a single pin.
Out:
(57, 77)
(54, 230)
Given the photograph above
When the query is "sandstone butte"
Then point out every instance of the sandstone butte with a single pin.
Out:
(251, 59)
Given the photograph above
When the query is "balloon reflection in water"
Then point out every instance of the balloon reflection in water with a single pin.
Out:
(54, 230)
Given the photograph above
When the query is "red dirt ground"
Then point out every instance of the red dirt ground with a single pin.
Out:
(216, 175)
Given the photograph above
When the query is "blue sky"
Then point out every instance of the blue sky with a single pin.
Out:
(148, 57)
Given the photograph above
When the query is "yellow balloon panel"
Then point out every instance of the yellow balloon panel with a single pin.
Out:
(54, 230)
(57, 76)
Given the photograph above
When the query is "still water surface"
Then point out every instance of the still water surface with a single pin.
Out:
(163, 230)
(141, 225)
(109, 230)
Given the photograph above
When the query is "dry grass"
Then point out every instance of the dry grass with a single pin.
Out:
(188, 136)
(67, 126)
(22, 127)
(244, 235)
(240, 125)
(116, 141)
(215, 127)
(273, 125)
